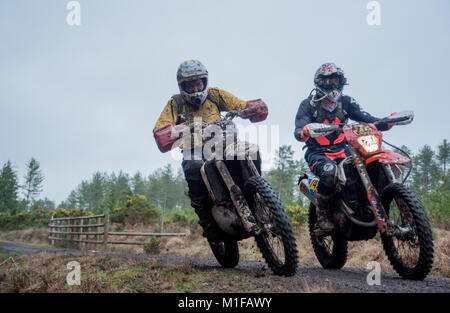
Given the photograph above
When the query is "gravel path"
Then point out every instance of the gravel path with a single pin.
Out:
(344, 280)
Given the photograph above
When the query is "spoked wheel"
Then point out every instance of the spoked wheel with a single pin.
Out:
(331, 250)
(276, 241)
(410, 248)
(226, 252)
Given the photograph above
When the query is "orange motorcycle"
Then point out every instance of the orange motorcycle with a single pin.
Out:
(370, 200)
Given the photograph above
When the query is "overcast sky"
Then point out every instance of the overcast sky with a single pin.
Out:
(85, 98)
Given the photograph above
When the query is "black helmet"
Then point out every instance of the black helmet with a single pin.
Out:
(329, 81)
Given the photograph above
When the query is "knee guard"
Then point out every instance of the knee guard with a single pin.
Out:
(327, 182)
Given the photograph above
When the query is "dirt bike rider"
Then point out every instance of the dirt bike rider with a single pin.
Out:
(196, 99)
(327, 105)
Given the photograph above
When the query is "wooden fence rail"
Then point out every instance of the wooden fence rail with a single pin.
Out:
(85, 229)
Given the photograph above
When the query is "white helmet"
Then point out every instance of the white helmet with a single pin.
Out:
(192, 70)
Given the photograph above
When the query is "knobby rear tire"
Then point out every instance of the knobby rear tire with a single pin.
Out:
(330, 260)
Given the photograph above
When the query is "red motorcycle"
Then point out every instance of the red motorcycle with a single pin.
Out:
(369, 200)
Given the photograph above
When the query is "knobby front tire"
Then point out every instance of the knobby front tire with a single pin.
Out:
(277, 245)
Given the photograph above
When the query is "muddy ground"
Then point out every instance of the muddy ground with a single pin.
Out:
(30, 268)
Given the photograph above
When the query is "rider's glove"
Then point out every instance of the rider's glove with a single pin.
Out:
(304, 134)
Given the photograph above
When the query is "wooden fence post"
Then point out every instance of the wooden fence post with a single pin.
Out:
(72, 236)
(97, 221)
(52, 242)
(88, 237)
(161, 223)
(60, 230)
(106, 230)
(66, 223)
(81, 233)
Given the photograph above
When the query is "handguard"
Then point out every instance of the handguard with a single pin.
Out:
(401, 118)
(319, 129)
(255, 111)
(164, 137)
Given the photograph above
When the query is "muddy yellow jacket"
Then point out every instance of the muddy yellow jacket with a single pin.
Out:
(208, 111)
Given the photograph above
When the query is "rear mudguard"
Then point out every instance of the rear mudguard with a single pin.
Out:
(387, 157)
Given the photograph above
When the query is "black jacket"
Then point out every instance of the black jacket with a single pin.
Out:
(311, 112)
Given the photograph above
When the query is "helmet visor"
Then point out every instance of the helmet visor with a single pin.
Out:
(194, 85)
(329, 82)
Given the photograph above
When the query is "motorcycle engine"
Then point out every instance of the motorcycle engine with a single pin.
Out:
(227, 220)
(352, 192)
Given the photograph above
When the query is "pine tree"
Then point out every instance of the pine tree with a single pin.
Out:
(425, 171)
(443, 155)
(96, 191)
(33, 181)
(138, 184)
(118, 188)
(181, 185)
(283, 176)
(9, 189)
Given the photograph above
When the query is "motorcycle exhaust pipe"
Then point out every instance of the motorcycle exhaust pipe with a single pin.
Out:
(304, 188)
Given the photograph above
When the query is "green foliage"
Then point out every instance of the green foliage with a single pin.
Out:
(185, 216)
(9, 188)
(44, 204)
(166, 190)
(430, 182)
(298, 215)
(61, 213)
(283, 177)
(135, 210)
(33, 181)
(22, 220)
(162, 189)
(152, 247)
(117, 215)
(437, 204)
(443, 155)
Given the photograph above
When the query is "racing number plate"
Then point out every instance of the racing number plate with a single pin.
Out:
(362, 130)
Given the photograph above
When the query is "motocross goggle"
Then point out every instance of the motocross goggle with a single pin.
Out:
(329, 82)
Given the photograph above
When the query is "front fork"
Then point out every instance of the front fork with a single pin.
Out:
(372, 195)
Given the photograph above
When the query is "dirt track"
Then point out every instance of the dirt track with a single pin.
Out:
(345, 280)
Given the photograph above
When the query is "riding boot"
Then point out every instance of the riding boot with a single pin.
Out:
(203, 208)
(323, 210)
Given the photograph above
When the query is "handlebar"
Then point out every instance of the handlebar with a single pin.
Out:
(401, 118)
(228, 117)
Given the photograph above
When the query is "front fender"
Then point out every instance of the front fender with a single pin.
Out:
(388, 157)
